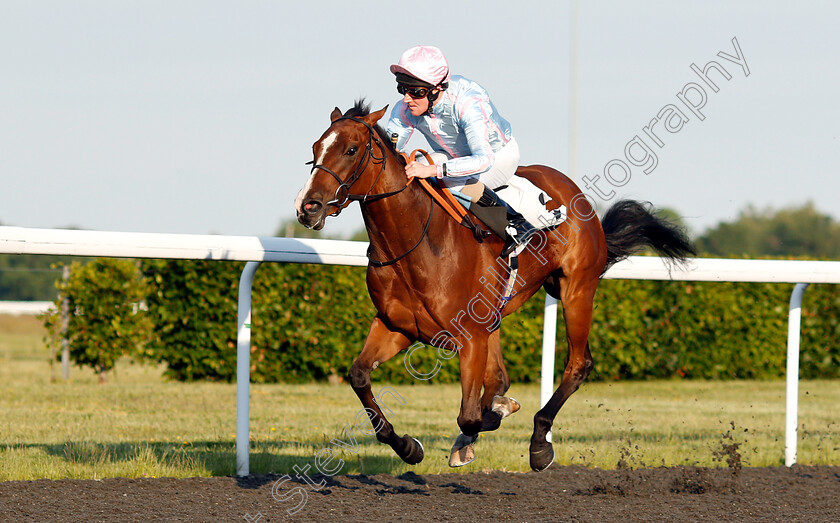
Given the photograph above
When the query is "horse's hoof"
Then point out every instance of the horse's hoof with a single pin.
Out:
(504, 406)
(414, 452)
(463, 451)
(542, 457)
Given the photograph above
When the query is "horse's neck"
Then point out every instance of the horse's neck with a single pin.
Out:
(396, 223)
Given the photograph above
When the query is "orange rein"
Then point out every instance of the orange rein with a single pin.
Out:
(441, 195)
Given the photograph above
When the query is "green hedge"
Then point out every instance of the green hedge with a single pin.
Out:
(193, 307)
(309, 322)
(657, 329)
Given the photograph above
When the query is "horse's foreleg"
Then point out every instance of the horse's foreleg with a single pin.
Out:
(577, 311)
(381, 345)
(473, 361)
(494, 405)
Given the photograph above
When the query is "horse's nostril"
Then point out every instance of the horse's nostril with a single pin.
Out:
(312, 207)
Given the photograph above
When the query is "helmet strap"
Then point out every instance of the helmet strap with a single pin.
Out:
(433, 96)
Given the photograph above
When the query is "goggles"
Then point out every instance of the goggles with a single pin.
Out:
(414, 92)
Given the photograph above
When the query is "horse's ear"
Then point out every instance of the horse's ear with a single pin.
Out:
(372, 118)
(335, 115)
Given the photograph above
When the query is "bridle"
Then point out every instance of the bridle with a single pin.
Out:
(343, 195)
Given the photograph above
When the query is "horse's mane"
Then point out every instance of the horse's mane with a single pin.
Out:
(362, 108)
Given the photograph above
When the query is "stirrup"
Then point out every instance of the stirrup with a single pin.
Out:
(512, 245)
(519, 233)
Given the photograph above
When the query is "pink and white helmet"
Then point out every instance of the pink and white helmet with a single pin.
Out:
(424, 62)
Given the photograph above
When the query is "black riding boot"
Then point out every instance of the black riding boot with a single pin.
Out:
(508, 224)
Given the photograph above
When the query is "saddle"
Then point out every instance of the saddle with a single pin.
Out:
(520, 194)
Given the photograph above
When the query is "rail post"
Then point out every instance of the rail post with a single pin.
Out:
(243, 369)
(65, 322)
(792, 373)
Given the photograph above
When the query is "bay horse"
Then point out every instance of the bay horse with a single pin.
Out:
(426, 269)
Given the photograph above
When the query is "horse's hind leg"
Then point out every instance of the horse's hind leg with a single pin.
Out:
(494, 405)
(577, 297)
(381, 345)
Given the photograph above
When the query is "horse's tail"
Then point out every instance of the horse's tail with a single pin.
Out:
(630, 225)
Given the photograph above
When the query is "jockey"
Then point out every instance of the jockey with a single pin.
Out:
(474, 149)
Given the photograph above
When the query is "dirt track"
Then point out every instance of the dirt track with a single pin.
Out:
(559, 494)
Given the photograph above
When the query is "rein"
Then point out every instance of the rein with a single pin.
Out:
(444, 198)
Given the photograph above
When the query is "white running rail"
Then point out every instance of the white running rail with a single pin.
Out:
(19, 240)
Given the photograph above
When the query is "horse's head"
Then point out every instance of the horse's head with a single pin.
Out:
(348, 157)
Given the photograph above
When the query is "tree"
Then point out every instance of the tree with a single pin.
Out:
(792, 231)
(672, 216)
(360, 236)
(293, 229)
(106, 321)
(31, 277)
(26, 277)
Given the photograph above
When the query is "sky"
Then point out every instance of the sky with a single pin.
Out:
(198, 116)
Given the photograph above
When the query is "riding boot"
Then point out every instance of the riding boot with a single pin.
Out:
(508, 224)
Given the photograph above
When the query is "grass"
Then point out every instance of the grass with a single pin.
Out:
(139, 425)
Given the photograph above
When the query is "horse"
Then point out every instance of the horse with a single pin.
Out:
(426, 268)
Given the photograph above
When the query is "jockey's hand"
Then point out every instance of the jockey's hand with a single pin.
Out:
(418, 170)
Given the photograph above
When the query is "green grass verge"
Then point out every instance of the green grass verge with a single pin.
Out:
(139, 425)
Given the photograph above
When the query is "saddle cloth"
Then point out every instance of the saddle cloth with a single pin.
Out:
(527, 199)
(532, 202)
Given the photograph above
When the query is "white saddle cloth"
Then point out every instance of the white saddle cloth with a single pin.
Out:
(530, 201)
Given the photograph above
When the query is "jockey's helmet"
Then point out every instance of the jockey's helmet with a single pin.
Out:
(426, 63)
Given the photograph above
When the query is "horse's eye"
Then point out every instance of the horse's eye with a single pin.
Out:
(351, 151)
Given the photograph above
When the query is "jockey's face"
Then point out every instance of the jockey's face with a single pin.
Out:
(417, 106)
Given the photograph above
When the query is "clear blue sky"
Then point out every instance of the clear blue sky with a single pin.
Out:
(197, 117)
